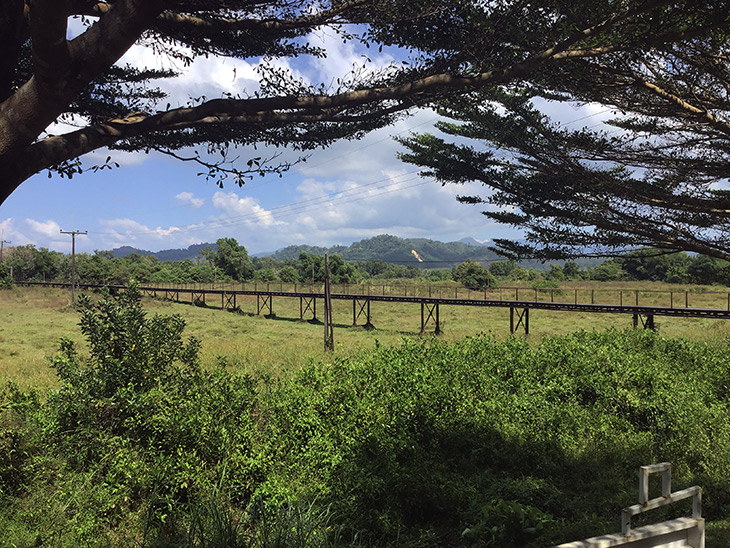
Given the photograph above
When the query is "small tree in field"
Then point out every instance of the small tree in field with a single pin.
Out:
(473, 275)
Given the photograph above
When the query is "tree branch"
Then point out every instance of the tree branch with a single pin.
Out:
(91, 53)
(51, 55)
(190, 22)
(184, 21)
(13, 30)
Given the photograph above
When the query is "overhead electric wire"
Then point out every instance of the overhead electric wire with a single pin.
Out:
(340, 156)
(312, 204)
(325, 201)
(292, 208)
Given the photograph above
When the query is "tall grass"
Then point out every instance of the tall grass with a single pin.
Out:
(35, 319)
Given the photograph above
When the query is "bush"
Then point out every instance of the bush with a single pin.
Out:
(473, 275)
(5, 279)
(415, 442)
(142, 417)
(547, 286)
(288, 274)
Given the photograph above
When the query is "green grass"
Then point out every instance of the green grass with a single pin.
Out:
(35, 319)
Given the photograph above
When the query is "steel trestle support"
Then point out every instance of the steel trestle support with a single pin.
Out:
(361, 307)
(430, 311)
(646, 323)
(228, 301)
(307, 304)
(263, 301)
(523, 319)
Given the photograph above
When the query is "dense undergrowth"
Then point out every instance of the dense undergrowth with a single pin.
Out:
(477, 443)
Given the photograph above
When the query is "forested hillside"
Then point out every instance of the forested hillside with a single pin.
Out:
(392, 249)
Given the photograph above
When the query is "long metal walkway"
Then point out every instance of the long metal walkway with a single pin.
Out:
(642, 314)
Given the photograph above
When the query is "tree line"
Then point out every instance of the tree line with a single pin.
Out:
(226, 261)
(229, 261)
(641, 265)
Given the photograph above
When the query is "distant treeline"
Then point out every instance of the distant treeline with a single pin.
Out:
(229, 261)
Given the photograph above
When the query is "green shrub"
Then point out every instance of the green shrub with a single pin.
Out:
(409, 442)
(141, 416)
(547, 286)
(473, 275)
(5, 279)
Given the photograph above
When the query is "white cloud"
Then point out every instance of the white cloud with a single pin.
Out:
(344, 57)
(47, 228)
(166, 231)
(188, 199)
(365, 158)
(12, 234)
(245, 210)
(130, 232)
(32, 232)
(209, 77)
(121, 157)
(574, 115)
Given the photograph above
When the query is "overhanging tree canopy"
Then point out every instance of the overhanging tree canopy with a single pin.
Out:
(452, 46)
(658, 177)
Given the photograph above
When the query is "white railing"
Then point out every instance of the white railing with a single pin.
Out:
(687, 532)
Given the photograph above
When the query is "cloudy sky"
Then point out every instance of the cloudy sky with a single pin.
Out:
(347, 192)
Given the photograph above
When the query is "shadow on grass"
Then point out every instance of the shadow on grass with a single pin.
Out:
(463, 485)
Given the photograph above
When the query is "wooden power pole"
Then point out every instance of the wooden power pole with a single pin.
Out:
(329, 334)
(2, 244)
(73, 260)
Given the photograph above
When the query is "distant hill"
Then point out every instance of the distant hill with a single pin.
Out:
(472, 241)
(391, 249)
(190, 252)
(387, 248)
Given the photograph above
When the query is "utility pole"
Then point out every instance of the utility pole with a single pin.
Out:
(329, 335)
(2, 244)
(73, 260)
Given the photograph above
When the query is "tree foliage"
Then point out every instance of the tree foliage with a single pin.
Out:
(31, 264)
(473, 275)
(657, 177)
(231, 258)
(449, 46)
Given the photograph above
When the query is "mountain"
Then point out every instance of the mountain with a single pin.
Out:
(191, 252)
(472, 241)
(391, 249)
(125, 250)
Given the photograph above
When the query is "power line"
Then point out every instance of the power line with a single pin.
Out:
(353, 151)
(604, 111)
(296, 207)
(315, 203)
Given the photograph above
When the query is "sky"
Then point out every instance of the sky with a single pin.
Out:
(347, 192)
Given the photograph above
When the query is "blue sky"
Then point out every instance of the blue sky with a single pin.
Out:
(347, 192)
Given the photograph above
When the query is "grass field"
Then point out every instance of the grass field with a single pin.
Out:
(36, 318)
(500, 435)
